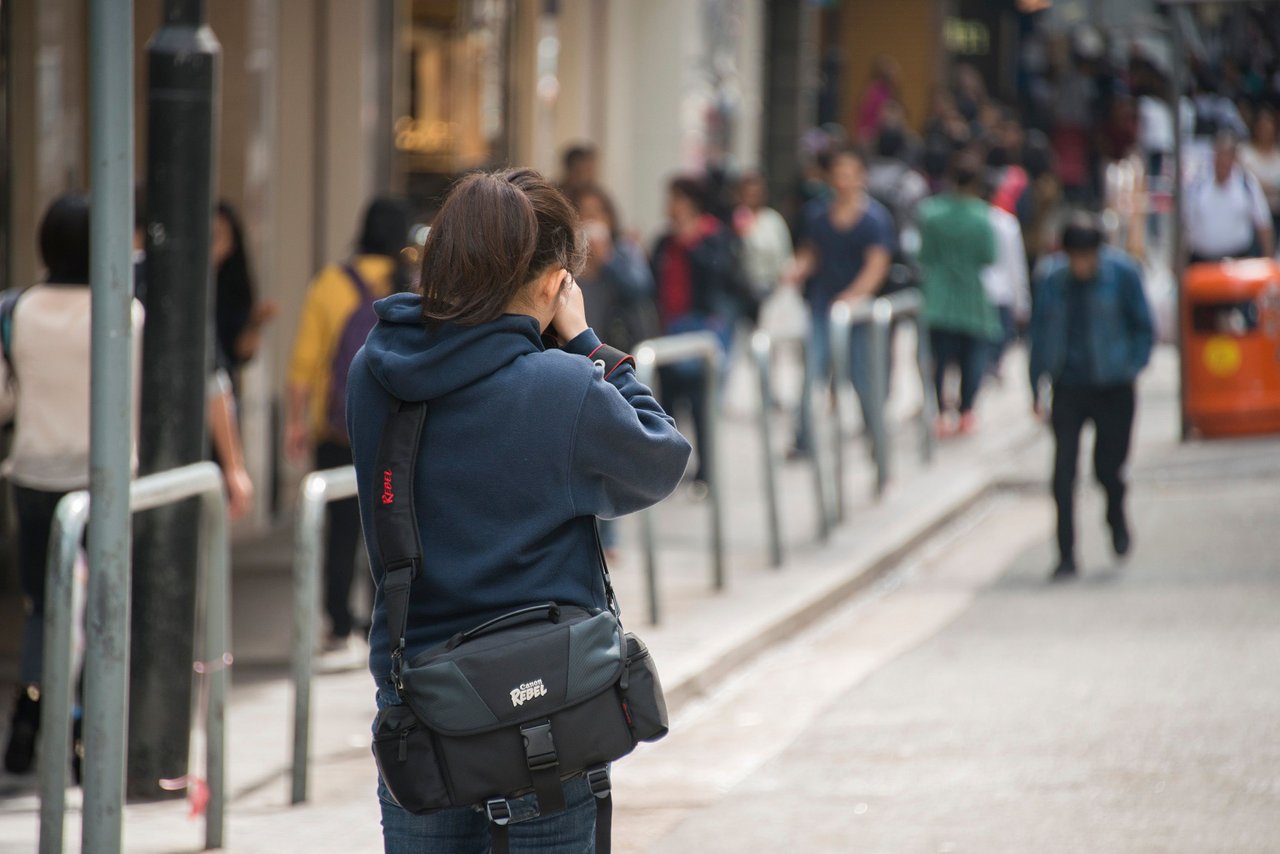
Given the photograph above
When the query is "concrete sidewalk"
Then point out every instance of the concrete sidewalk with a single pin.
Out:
(704, 635)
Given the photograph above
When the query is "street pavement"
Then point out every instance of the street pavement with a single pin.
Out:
(955, 703)
(965, 705)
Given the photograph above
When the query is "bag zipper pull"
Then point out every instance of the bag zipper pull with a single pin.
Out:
(403, 754)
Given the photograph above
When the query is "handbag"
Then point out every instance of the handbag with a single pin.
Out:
(519, 704)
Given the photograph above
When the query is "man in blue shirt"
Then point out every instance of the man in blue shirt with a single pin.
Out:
(844, 247)
(1091, 335)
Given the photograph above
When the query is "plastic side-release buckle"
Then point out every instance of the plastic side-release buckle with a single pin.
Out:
(539, 745)
(498, 811)
(598, 780)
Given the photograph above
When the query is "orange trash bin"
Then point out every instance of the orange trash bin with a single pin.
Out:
(1231, 338)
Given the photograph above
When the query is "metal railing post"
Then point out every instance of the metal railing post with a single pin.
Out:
(928, 406)
(106, 682)
(668, 350)
(878, 358)
(840, 320)
(317, 490)
(909, 304)
(808, 401)
(762, 350)
(711, 465)
(216, 547)
(73, 513)
(55, 690)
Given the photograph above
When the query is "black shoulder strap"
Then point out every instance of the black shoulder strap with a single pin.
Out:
(395, 520)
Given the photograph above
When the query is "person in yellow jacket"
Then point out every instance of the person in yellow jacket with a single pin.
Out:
(336, 316)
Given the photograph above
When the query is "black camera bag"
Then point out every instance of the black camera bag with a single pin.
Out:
(519, 704)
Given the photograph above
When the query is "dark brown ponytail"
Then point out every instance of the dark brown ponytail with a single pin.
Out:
(495, 233)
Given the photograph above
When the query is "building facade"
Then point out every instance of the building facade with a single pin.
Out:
(326, 103)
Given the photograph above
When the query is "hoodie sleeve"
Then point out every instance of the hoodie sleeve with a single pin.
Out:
(626, 453)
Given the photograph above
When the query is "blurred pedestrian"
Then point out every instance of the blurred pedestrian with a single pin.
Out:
(523, 448)
(766, 240)
(957, 243)
(616, 278)
(336, 317)
(238, 314)
(842, 255)
(692, 265)
(580, 168)
(45, 391)
(894, 182)
(1226, 211)
(1006, 280)
(1261, 156)
(881, 90)
(1091, 335)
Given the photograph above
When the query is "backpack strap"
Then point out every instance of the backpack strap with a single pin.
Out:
(8, 303)
(366, 293)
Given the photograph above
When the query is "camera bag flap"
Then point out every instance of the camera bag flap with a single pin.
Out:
(515, 674)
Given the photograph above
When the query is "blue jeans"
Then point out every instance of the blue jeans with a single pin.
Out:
(465, 830)
(969, 354)
(818, 371)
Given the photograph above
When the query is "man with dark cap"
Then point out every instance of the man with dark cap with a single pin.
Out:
(1091, 335)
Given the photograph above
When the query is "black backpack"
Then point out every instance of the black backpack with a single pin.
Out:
(519, 704)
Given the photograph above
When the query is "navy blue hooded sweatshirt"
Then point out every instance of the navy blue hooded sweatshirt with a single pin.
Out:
(522, 447)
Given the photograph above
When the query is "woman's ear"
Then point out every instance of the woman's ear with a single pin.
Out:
(549, 287)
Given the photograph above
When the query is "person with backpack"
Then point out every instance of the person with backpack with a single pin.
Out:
(518, 449)
(336, 318)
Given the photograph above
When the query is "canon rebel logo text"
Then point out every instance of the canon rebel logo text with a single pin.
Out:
(388, 494)
(528, 691)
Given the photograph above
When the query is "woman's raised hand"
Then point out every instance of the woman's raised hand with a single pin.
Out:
(570, 319)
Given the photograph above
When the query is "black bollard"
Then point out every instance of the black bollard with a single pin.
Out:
(183, 60)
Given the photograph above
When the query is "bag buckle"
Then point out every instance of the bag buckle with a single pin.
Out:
(539, 745)
(397, 668)
(498, 811)
(598, 780)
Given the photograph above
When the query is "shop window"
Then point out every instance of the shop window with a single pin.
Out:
(454, 117)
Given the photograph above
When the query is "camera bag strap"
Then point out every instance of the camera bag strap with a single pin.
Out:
(395, 522)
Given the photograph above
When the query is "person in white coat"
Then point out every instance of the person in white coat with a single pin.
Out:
(1006, 282)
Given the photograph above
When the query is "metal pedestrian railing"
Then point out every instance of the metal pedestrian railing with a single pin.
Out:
(762, 353)
(650, 356)
(878, 315)
(318, 490)
(202, 480)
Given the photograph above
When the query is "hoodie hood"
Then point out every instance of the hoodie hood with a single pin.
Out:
(414, 361)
